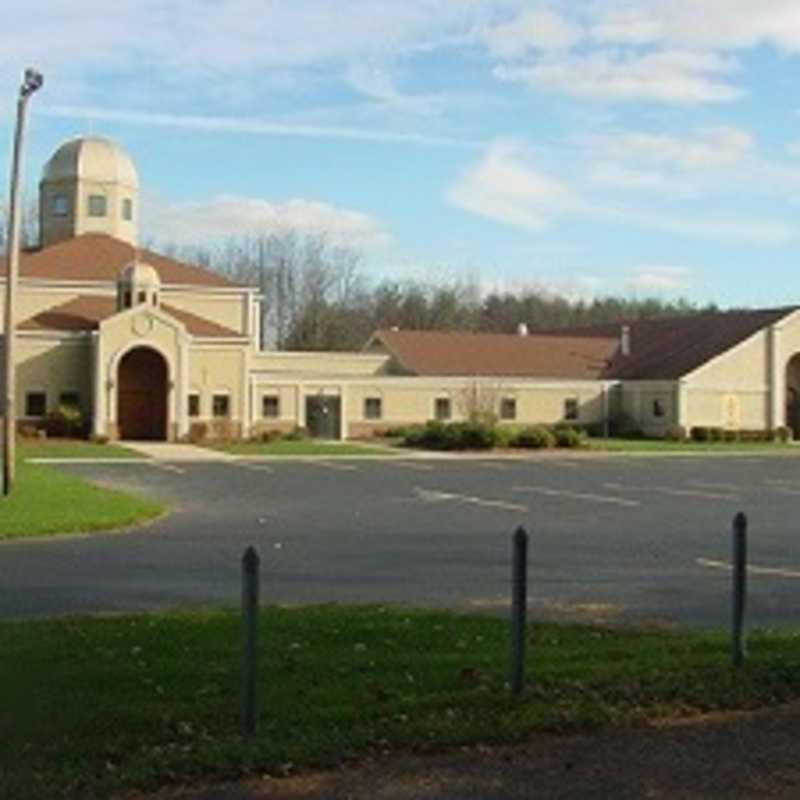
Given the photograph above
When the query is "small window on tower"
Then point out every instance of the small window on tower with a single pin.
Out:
(126, 299)
(35, 404)
(127, 209)
(97, 205)
(194, 405)
(141, 297)
(60, 205)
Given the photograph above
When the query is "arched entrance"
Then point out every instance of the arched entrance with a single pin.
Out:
(142, 395)
(793, 395)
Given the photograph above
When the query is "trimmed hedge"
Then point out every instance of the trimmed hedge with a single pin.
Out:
(435, 435)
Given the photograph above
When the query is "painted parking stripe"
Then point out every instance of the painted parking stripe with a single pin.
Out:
(330, 465)
(434, 496)
(724, 565)
(723, 487)
(412, 465)
(588, 497)
(673, 492)
(168, 467)
(255, 467)
(493, 465)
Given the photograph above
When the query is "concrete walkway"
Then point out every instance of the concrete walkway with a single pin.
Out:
(171, 451)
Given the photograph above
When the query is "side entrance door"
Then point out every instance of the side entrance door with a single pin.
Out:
(324, 417)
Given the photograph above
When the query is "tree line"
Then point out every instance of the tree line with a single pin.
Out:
(316, 296)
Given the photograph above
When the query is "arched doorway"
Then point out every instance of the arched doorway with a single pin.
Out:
(793, 395)
(142, 395)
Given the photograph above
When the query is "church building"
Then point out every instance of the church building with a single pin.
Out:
(149, 347)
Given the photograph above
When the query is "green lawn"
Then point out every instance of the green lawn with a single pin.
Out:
(47, 501)
(71, 448)
(303, 447)
(100, 705)
(663, 446)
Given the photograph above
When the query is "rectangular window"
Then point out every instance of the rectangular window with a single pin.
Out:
(442, 410)
(508, 408)
(658, 408)
(60, 205)
(127, 209)
(194, 405)
(221, 405)
(373, 408)
(270, 406)
(141, 297)
(571, 408)
(35, 404)
(97, 205)
(70, 400)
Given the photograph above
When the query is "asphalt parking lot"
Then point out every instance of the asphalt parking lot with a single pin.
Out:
(642, 539)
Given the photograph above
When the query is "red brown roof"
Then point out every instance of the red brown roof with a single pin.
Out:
(99, 257)
(660, 349)
(86, 312)
(491, 354)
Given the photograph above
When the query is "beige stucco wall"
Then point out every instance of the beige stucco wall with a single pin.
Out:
(319, 364)
(54, 366)
(229, 309)
(638, 400)
(219, 369)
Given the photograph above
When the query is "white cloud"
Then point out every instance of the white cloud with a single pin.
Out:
(655, 278)
(669, 76)
(709, 148)
(718, 24)
(618, 176)
(535, 29)
(793, 149)
(507, 186)
(249, 126)
(230, 216)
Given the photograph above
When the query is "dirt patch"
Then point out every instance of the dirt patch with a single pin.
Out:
(725, 756)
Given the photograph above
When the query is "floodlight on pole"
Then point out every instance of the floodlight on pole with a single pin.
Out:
(32, 81)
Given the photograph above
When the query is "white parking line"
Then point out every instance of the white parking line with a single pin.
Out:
(493, 465)
(330, 465)
(433, 496)
(168, 467)
(412, 465)
(255, 467)
(724, 565)
(785, 490)
(618, 487)
(591, 498)
(725, 487)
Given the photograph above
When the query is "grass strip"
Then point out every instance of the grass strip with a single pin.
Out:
(71, 448)
(666, 446)
(48, 501)
(283, 447)
(102, 705)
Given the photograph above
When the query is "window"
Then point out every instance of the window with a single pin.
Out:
(141, 297)
(508, 408)
(571, 408)
(442, 409)
(60, 205)
(194, 405)
(373, 408)
(35, 404)
(127, 209)
(70, 400)
(126, 299)
(658, 408)
(97, 205)
(221, 405)
(270, 406)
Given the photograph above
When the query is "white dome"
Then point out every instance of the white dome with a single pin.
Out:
(138, 273)
(91, 158)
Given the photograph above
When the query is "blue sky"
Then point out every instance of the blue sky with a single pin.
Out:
(635, 147)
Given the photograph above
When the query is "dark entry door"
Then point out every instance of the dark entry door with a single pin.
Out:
(142, 391)
(324, 417)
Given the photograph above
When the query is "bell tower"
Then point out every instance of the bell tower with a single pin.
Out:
(89, 185)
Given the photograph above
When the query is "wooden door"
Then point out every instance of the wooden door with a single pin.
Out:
(142, 395)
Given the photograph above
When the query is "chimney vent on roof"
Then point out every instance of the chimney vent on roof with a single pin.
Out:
(522, 329)
(625, 341)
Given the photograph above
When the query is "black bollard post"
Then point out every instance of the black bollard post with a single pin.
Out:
(519, 608)
(250, 587)
(739, 587)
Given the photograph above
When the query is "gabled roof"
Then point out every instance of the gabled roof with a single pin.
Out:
(660, 349)
(667, 349)
(99, 257)
(86, 312)
(500, 355)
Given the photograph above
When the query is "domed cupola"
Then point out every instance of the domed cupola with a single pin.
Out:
(89, 185)
(138, 284)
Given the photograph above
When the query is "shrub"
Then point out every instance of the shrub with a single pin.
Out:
(473, 435)
(716, 434)
(99, 438)
(298, 434)
(700, 433)
(677, 433)
(534, 437)
(730, 435)
(28, 431)
(783, 434)
(624, 426)
(198, 432)
(64, 421)
(506, 434)
(269, 436)
(567, 436)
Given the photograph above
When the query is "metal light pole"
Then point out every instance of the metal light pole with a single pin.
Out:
(31, 81)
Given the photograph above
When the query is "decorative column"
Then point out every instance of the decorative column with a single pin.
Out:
(777, 379)
(99, 423)
(681, 402)
(344, 427)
